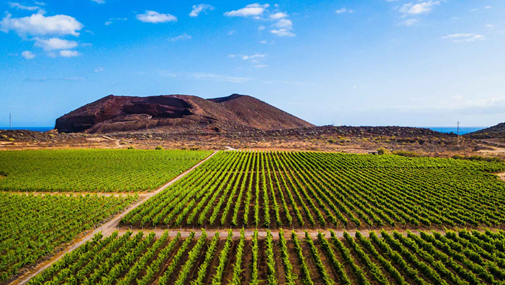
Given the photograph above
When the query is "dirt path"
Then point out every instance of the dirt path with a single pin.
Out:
(502, 176)
(107, 228)
(223, 233)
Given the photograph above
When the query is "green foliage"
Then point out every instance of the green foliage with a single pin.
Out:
(33, 226)
(413, 259)
(93, 170)
(299, 189)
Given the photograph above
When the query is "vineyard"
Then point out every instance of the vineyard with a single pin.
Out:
(93, 170)
(456, 257)
(328, 190)
(33, 226)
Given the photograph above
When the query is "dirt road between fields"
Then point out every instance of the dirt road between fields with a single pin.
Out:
(108, 227)
(502, 176)
(262, 233)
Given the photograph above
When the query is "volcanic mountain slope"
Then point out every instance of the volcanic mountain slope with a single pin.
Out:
(494, 132)
(177, 113)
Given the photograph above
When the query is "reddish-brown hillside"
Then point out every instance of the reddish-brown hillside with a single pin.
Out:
(260, 115)
(176, 113)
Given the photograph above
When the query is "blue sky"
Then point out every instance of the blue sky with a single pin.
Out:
(382, 62)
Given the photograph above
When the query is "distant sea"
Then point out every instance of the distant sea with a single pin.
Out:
(462, 130)
(35, 129)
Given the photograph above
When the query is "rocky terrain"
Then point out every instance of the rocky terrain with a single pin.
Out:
(494, 132)
(177, 113)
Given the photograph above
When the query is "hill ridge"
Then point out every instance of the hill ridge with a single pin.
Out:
(177, 113)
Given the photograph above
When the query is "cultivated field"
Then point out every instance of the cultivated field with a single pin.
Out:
(93, 170)
(453, 258)
(259, 193)
(328, 190)
(33, 226)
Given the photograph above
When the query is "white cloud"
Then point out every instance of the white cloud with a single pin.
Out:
(343, 10)
(490, 26)
(256, 55)
(231, 56)
(181, 37)
(28, 54)
(231, 32)
(155, 17)
(260, 66)
(27, 8)
(200, 8)
(278, 16)
(99, 69)
(69, 53)
(261, 28)
(464, 37)
(55, 44)
(39, 3)
(39, 25)
(409, 22)
(419, 8)
(249, 10)
(283, 33)
(218, 77)
(264, 42)
(112, 20)
(285, 28)
(283, 23)
(99, 1)
(488, 7)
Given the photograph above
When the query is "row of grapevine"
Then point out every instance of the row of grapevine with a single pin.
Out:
(393, 258)
(327, 190)
(33, 226)
(93, 170)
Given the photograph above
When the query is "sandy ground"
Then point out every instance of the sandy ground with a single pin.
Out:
(223, 233)
(106, 228)
(502, 176)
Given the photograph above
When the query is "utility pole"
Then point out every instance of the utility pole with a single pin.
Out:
(458, 133)
(10, 121)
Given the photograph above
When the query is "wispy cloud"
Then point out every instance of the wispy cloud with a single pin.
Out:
(464, 37)
(28, 55)
(112, 20)
(409, 22)
(69, 53)
(98, 1)
(218, 77)
(197, 9)
(156, 17)
(181, 37)
(99, 69)
(256, 55)
(44, 79)
(344, 10)
(284, 28)
(249, 10)
(419, 8)
(27, 8)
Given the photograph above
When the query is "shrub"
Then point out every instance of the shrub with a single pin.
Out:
(159, 147)
(382, 151)
(406, 153)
